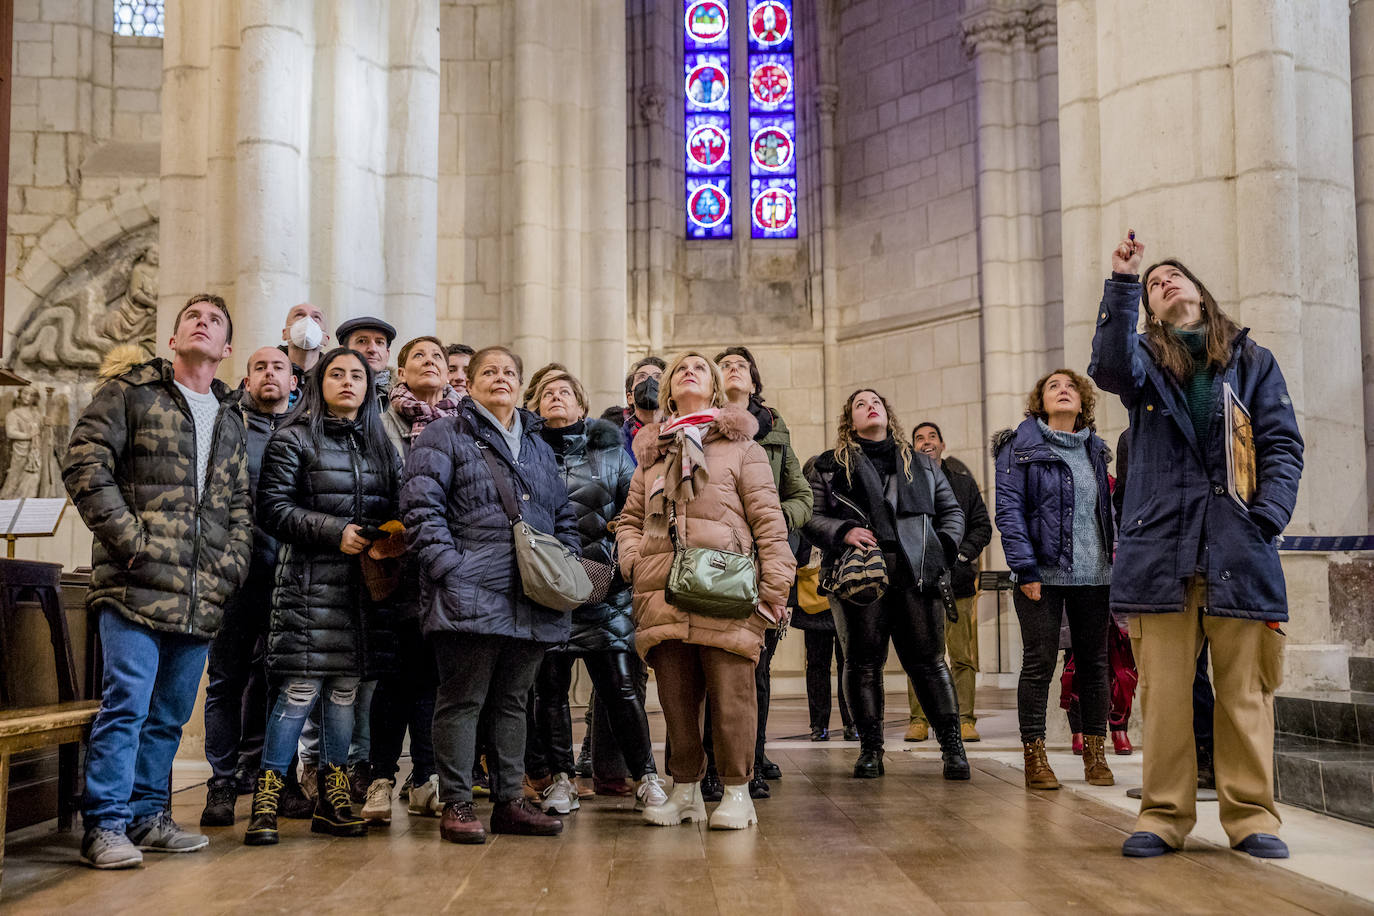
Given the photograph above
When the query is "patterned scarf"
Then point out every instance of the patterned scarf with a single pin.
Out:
(419, 413)
(685, 474)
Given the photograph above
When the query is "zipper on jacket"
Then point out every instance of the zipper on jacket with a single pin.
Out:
(355, 460)
(925, 540)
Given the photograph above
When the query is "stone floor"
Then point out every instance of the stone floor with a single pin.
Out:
(907, 843)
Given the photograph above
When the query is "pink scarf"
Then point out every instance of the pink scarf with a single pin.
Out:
(419, 413)
(685, 474)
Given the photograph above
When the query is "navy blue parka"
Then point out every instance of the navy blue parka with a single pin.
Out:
(458, 530)
(1179, 518)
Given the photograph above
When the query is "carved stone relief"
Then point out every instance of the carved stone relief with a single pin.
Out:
(109, 299)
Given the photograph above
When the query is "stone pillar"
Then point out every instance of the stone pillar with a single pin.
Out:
(1227, 147)
(300, 160)
(1012, 43)
(1362, 94)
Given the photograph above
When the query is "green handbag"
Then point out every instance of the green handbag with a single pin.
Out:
(705, 580)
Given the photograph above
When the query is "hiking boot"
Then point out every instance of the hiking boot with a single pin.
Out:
(334, 806)
(712, 789)
(160, 833)
(459, 824)
(560, 797)
(968, 732)
(359, 780)
(952, 748)
(105, 848)
(1038, 772)
(522, 818)
(650, 792)
(219, 805)
(262, 823)
(917, 731)
(1095, 769)
(377, 805)
(423, 800)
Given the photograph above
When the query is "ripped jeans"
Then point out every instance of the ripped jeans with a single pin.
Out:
(295, 699)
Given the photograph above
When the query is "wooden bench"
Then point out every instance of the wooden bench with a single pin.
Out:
(35, 727)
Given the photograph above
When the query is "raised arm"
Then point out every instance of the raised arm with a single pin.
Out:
(1116, 358)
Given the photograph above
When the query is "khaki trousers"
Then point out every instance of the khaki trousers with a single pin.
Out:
(1247, 667)
(961, 641)
(686, 676)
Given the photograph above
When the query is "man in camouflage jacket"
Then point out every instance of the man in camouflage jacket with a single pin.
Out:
(158, 469)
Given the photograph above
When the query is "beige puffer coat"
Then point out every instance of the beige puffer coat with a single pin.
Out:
(738, 510)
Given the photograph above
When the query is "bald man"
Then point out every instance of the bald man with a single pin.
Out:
(236, 696)
(305, 336)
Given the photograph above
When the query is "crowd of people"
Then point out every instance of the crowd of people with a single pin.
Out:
(355, 548)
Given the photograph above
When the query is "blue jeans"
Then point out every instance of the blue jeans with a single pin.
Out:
(360, 746)
(294, 702)
(147, 695)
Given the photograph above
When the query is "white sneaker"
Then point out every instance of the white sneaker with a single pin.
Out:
(684, 804)
(560, 797)
(735, 811)
(424, 799)
(377, 807)
(649, 793)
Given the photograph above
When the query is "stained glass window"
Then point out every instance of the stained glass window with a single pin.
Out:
(706, 112)
(138, 17)
(772, 121)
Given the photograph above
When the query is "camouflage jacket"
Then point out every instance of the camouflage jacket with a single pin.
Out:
(166, 554)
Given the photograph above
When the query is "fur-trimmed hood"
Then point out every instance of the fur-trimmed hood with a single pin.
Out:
(120, 359)
(733, 423)
(602, 435)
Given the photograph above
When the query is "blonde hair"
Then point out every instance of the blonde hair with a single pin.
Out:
(846, 440)
(665, 393)
(547, 377)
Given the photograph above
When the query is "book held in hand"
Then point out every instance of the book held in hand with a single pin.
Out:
(1241, 479)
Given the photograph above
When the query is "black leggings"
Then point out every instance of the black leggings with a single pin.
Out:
(915, 622)
(615, 684)
(821, 645)
(1087, 610)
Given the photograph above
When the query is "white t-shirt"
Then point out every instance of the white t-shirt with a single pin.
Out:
(204, 409)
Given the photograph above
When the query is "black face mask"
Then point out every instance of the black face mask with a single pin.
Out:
(646, 394)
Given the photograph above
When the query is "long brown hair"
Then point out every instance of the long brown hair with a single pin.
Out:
(846, 440)
(1087, 395)
(1171, 352)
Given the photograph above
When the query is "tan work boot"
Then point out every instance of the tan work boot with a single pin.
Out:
(917, 731)
(1095, 769)
(968, 733)
(1038, 772)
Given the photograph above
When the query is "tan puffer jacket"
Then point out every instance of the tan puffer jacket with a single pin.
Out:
(738, 510)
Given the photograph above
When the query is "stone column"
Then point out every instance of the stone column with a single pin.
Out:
(1227, 147)
(1362, 94)
(299, 159)
(1012, 43)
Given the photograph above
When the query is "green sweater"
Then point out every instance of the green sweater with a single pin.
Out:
(1197, 389)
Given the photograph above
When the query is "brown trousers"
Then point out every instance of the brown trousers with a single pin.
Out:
(1247, 667)
(686, 676)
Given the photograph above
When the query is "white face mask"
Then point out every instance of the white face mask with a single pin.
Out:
(306, 334)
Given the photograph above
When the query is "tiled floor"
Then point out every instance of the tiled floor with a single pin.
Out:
(907, 843)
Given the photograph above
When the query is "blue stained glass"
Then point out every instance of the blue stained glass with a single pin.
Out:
(708, 144)
(706, 25)
(769, 25)
(772, 150)
(772, 83)
(708, 82)
(708, 208)
(141, 18)
(773, 208)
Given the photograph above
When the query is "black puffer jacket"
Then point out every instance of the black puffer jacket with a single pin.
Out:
(260, 427)
(927, 543)
(168, 553)
(323, 622)
(597, 471)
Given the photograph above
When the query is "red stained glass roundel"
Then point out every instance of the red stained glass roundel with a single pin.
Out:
(708, 21)
(772, 149)
(708, 146)
(770, 23)
(708, 206)
(708, 87)
(774, 210)
(769, 83)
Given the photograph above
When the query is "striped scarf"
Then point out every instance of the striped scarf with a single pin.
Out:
(419, 413)
(685, 474)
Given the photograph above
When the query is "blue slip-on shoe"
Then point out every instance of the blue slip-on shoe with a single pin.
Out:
(1144, 845)
(1263, 846)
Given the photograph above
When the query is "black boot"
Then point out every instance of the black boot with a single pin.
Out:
(870, 762)
(262, 826)
(712, 789)
(334, 805)
(219, 805)
(951, 747)
(295, 804)
(758, 786)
